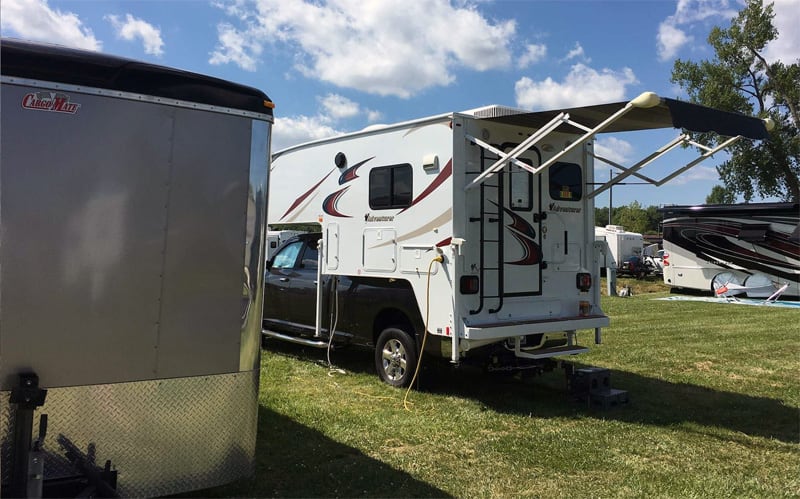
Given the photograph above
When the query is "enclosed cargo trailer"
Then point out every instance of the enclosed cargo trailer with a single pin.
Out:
(132, 223)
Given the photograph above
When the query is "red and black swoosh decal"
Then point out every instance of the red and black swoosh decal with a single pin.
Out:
(525, 234)
(306, 195)
(351, 173)
(446, 173)
(329, 205)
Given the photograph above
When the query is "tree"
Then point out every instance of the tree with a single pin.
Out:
(720, 195)
(740, 79)
(633, 217)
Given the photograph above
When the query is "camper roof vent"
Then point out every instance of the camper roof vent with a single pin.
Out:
(494, 111)
(615, 228)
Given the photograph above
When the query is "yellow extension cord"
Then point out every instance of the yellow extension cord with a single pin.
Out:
(439, 259)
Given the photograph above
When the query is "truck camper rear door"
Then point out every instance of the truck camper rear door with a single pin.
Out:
(504, 214)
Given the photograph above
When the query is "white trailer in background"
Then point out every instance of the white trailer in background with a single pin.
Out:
(621, 244)
(487, 216)
(277, 237)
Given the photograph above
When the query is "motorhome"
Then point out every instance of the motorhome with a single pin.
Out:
(751, 249)
(132, 232)
(485, 218)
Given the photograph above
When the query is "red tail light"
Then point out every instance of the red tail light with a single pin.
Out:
(469, 284)
(665, 259)
(583, 281)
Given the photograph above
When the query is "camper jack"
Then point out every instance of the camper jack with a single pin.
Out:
(482, 220)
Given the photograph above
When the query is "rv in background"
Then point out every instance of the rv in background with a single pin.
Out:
(481, 221)
(745, 248)
(275, 238)
(622, 244)
(133, 212)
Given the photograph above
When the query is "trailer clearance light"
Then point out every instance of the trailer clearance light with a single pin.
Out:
(583, 281)
(469, 284)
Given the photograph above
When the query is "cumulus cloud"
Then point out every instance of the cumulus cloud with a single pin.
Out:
(696, 174)
(576, 53)
(132, 28)
(533, 53)
(786, 47)
(36, 20)
(582, 86)
(294, 130)
(333, 109)
(617, 150)
(673, 32)
(391, 47)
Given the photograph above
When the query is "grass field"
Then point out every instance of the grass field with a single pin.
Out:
(714, 411)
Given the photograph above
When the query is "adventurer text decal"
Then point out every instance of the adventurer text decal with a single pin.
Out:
(563, 209)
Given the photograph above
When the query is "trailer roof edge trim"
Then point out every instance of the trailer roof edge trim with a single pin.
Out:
(671, 211)
(44, 62)
(668, 113)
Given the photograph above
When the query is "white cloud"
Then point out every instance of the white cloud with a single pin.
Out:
(390, 47)
(533, 53)
(787, 46)
(236, 47)
(132, 28)
(618, 150)
(696, 174)
(35, 20)
(339, 107)
(582, 86)
(673, 31)
(670, 40)
(575, 53)
(299, 129)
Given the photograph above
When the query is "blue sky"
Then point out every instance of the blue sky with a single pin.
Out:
(335, 66)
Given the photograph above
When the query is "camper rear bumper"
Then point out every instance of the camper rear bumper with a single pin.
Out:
(511, 329)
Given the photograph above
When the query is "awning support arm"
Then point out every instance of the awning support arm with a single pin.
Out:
(633, 170)
(645, 100)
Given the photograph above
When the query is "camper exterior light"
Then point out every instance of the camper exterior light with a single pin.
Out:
(769, 123)
(583, 281)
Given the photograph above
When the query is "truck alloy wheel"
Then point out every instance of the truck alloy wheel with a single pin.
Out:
(395, 356)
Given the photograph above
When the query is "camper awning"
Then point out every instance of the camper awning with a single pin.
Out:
(668, 113)
(648, 111)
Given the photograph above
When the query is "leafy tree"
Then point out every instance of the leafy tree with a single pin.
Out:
(740, 79)
(720, 195)
(633, 217)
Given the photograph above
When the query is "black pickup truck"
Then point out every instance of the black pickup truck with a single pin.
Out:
(377, 313)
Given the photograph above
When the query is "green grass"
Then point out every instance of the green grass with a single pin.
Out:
(713, 412)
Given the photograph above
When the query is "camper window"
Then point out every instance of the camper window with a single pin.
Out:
(566, 182)
(390, 187)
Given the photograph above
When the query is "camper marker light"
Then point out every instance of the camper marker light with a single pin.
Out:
(583, 281)
(469, 284)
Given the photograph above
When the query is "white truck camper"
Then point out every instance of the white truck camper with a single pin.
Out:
(487, 215)
(132, 224)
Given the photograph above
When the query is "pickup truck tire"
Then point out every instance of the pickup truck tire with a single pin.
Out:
(395, 356)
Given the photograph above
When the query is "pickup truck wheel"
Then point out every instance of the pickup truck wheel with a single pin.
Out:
(395, 357)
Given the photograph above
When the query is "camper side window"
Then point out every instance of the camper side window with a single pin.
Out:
(566, 182)
(390, 187)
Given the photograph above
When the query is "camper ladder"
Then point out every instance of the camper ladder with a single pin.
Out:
(491, 212)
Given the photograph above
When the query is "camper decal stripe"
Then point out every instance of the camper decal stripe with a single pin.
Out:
(305, 195)
(444, 243)
(350, 173)
(329, 205)
(525, 234)
(437, 223)
(446, 173)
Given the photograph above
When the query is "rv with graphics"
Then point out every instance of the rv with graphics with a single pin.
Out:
(751, 249)
(479, 222)
(133, 213)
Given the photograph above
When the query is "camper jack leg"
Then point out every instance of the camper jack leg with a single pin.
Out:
(26, 463)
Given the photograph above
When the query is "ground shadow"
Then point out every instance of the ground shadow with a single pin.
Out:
(652, 401)
(293, 460)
